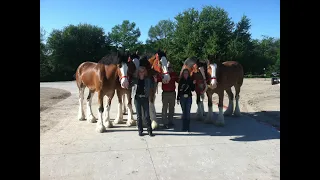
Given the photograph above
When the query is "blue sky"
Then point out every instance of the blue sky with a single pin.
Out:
(55, 14)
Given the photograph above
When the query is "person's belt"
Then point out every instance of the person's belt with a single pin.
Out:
(169, 91)
(140, 96)
(185, 95)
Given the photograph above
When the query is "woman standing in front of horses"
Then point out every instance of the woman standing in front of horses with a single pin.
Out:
(141, 99)
(184, 97)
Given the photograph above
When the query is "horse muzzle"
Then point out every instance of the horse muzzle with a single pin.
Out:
(125, 83)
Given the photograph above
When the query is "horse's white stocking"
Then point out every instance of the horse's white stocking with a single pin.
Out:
(130, 121)
(229, 110)
(209, 115)
(124, 97)
(107, 121)
(81, 115)
(153, 116)
(220, 121)
(237, 109)
(100, 126)
(90, 116)
(119, 117)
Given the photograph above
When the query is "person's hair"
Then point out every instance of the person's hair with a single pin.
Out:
(185, 70)
(142, 68)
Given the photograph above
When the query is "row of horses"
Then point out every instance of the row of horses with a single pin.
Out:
(114, 72)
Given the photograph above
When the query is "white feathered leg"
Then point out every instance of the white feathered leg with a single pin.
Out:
(81, 115)
(119, 118)
(237, 109)
(90, 117)
(130, 121)
(107, 121)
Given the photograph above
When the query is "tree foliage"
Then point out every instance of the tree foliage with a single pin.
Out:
(125, 35)
(73, 45)
(191, 33)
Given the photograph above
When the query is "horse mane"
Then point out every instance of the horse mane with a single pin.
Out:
(144, 60)
(114, 58)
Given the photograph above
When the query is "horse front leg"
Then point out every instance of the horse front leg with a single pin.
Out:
(119, 118)
(220, 121)
(100, 126)
(124, 97)
(210, 110)
(229, 111)
(152, 109)
(200, 109)
(130, 120)
(107, 121)
(237, 109)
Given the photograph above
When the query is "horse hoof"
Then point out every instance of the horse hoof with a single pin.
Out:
(227, 113)
(237, 114)
(100, 129)
(109, 124)
(219, 124)
(207, 121)
(131, 122)
(81, 118)
(117, 121)
(92, 119)
(154, 125)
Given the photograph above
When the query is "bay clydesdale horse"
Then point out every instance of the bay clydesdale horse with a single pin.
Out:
(156, 64)
(124, 94)
(220, 77)
(101, 77)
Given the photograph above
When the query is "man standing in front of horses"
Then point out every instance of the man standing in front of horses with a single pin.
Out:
(168, 97)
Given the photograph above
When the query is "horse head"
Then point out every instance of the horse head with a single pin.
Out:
(213, 62)
(123, 69)
(133, 64)
(160, 64)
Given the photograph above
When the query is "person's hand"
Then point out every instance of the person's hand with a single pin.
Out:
(155, 78)
(178, 102)
(194, 81)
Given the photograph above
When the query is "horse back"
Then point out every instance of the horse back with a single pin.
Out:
(231, 73)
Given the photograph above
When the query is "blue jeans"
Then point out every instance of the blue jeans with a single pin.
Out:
(186, 107)
(142, 102)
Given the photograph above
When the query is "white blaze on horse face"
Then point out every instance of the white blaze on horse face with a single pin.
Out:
(213, 75)
(137, 64)
(164, 63)
(124, 80)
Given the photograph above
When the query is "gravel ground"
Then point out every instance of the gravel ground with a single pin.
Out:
(259, 99)
(49, 97)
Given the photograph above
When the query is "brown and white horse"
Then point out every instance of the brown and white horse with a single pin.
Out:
(222, 77)
(197, 72)
(101, 77)
(124, 94)
(156, 64)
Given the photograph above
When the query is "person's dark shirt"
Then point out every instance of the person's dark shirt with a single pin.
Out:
(140, 87)
(185, 87)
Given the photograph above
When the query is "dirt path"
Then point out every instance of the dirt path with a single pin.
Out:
(49, 97)
(259, 99)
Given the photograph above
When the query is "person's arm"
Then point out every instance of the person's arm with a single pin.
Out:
(159, 78)
(179, 92)
(192, 85)
(175, 77)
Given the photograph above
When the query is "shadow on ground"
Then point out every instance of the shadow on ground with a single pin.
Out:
(246, 128)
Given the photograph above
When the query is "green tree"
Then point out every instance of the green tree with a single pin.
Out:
(44, 65)
(72, 46)
(161, 34)
(215, 29)
(125, 35)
